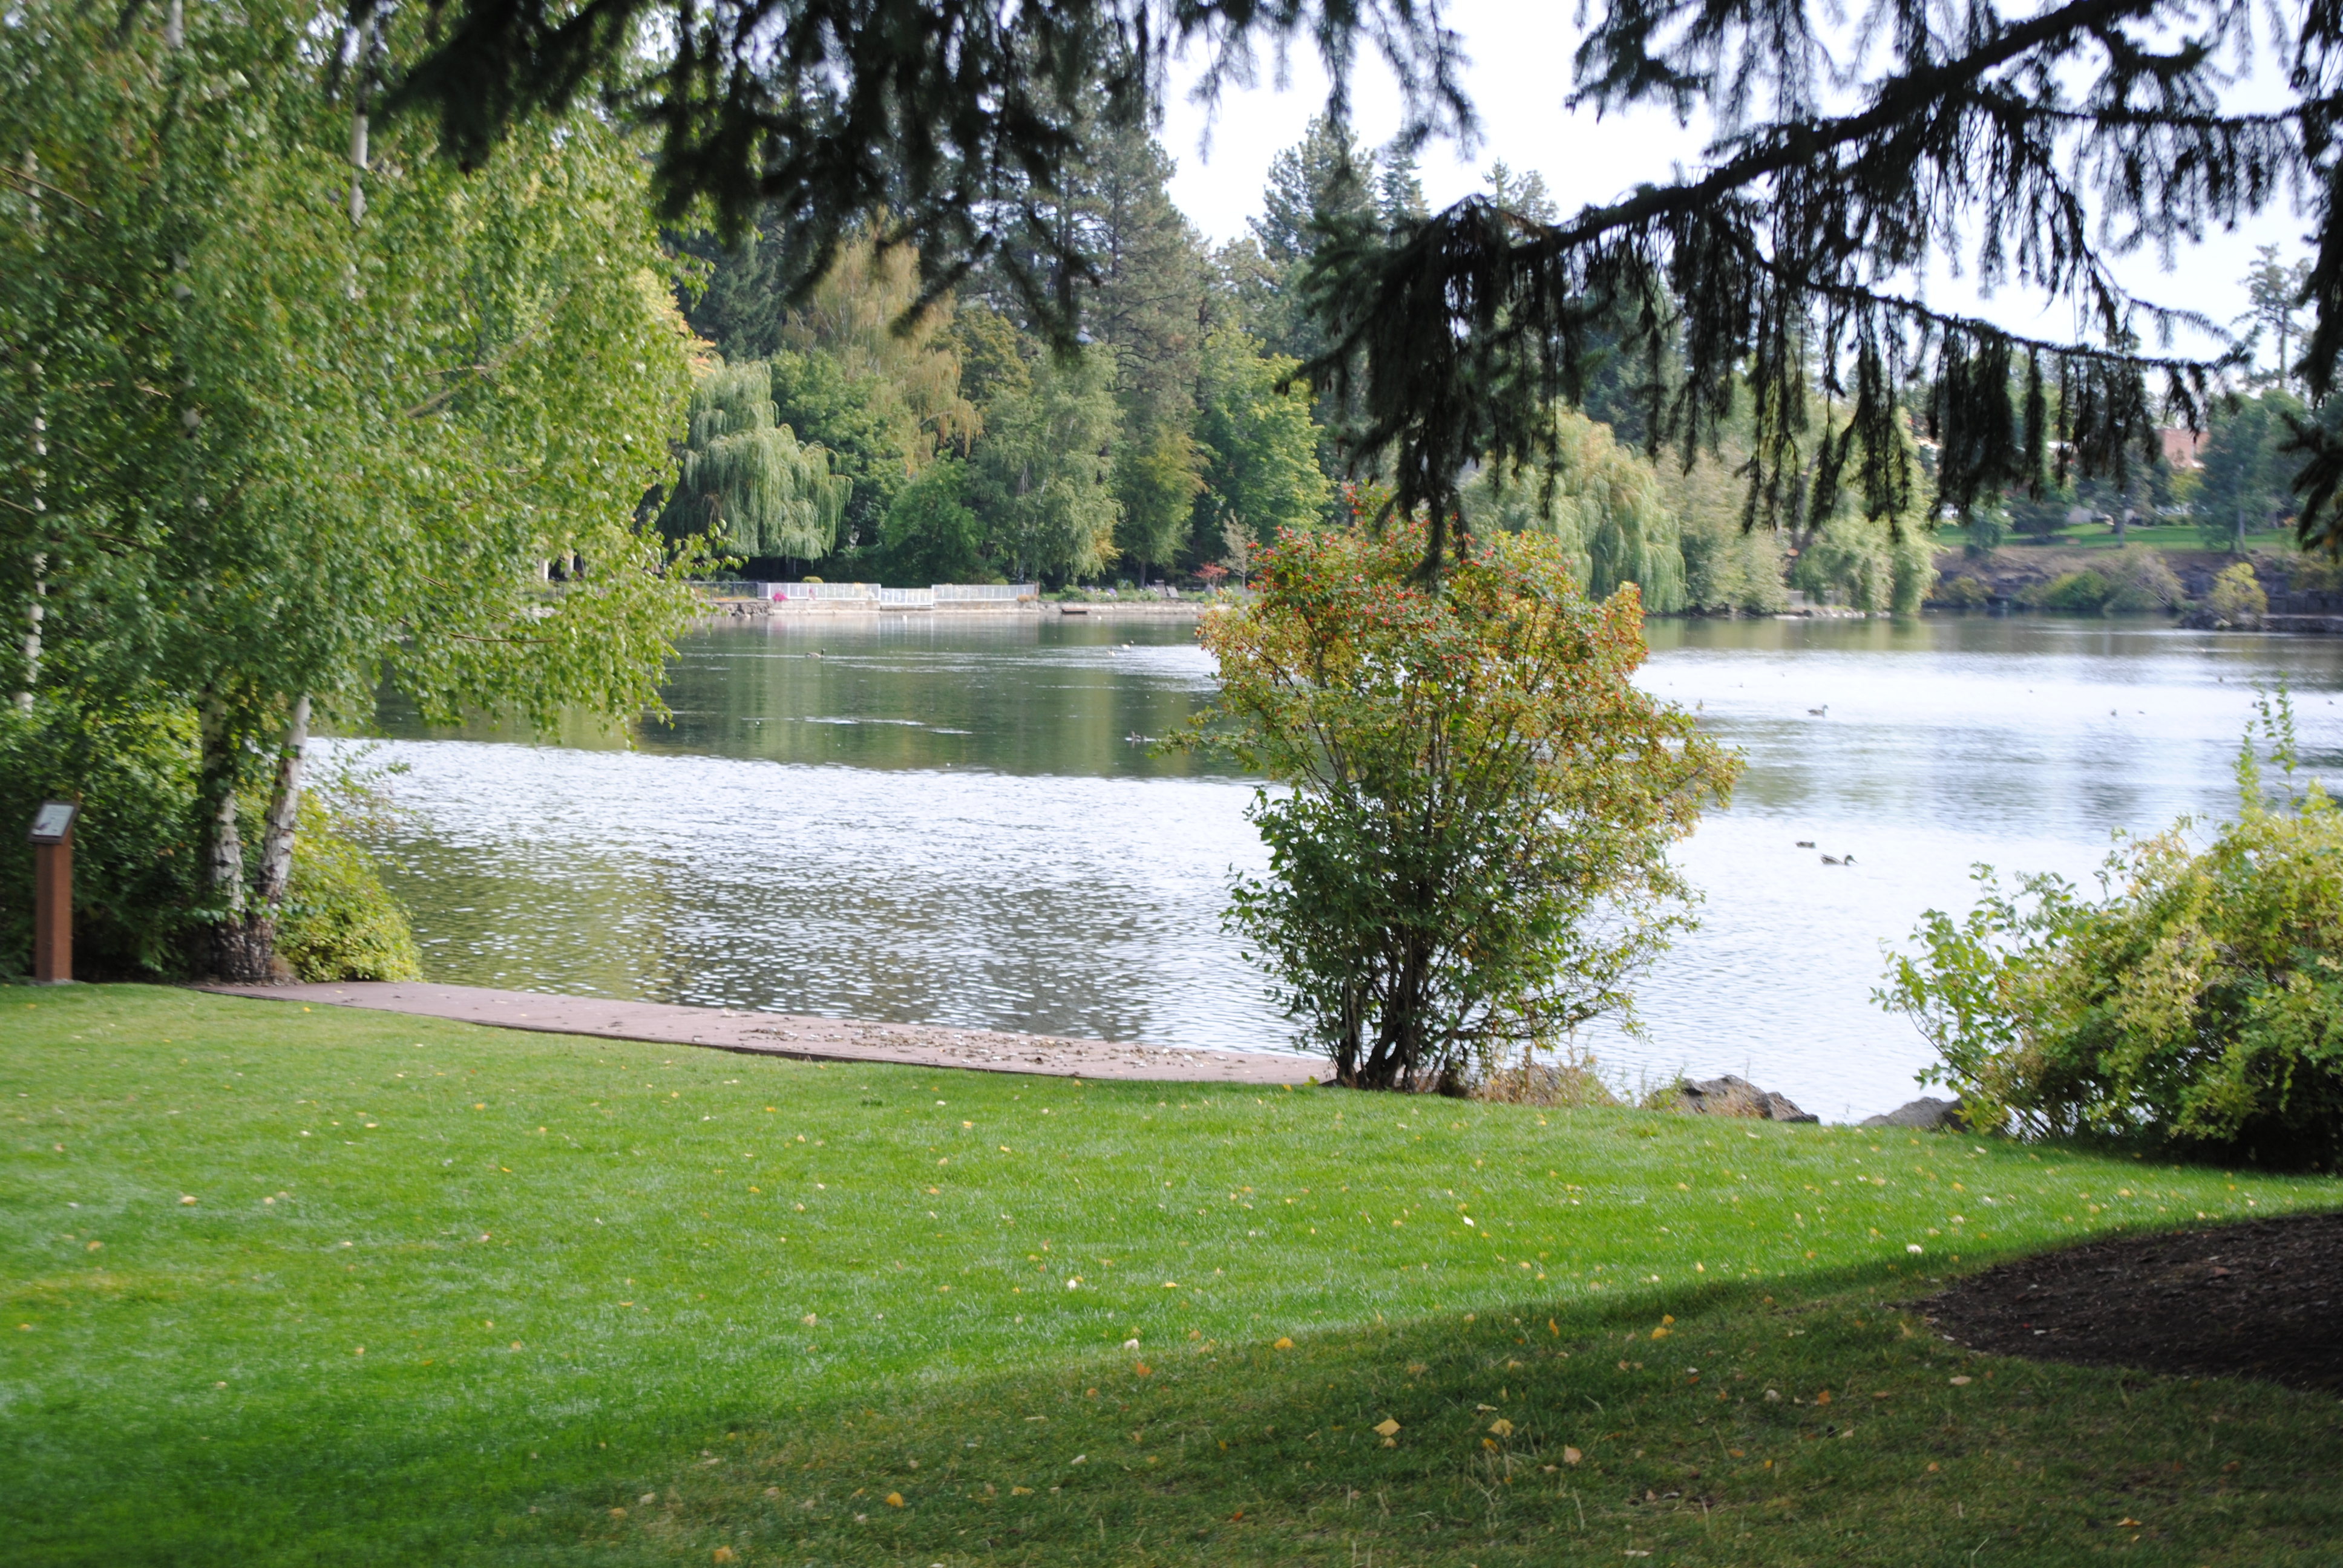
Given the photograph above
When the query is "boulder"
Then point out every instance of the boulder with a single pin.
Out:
(1731, 1096)
(1923, 1113)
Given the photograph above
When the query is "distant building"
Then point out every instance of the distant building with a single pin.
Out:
(2183, 448)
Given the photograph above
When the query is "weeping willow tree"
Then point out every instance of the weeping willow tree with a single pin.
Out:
(1602, 501)
(748, 483)
(1877, 561)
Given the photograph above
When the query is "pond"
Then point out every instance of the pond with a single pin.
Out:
(965, 821)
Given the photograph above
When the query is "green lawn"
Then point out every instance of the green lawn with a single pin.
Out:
(2166, 536)
(331, 1287)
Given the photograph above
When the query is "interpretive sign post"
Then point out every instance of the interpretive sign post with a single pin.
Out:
(52, 839)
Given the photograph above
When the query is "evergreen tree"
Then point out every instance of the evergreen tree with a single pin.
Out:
(1323, 180)
(1525, 196)
(1399, 189)
(2275, 294)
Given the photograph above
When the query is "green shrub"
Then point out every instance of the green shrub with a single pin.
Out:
(135, 842)
(137, 888)
(2085, 591)
(2238, 593)
(2198, 1000)
(2134, 578)
(1964, 592)
(341, 922)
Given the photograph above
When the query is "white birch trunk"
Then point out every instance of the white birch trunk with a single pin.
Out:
(284, 811)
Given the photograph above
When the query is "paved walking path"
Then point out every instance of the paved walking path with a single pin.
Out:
(806, 1038)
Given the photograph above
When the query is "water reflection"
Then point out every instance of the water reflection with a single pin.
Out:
(929, 820)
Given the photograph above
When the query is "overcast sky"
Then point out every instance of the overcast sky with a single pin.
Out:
(1519, 77)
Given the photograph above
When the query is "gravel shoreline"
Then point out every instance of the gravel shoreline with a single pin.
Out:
(806, 1039)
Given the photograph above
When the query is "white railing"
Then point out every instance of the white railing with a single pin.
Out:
(869, 592)
(872, 594)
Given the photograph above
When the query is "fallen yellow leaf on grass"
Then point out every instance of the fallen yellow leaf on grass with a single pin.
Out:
(618, 1513)
(724, 1554)
(1020, 1492)
(1142, 1369)
(1387, 1427)
(1571, 1455)
(1501, 1427)
(1283, 1345)
(1823, 1398)
(894, 1500)
(2124, 1524)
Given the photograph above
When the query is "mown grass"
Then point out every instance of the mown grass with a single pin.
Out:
(508, 1283)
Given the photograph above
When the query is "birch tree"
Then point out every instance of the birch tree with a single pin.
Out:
(320, 407)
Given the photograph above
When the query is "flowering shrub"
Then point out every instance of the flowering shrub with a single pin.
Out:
(1469, 853)
(2200, 999)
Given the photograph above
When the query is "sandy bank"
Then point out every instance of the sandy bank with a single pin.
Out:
(806, 1039)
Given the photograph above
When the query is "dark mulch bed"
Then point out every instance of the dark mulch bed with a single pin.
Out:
(2262, 1300)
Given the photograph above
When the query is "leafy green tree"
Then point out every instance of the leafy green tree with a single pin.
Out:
(1603, 506)
(1468, 850)
(1041, 479)
(1726, 565)
(931, 534)
(323, 411)
(745, 482)
(816, 397)
(868, 313)
(1259, 447)
(1877, 561)
(2248, 480)
(1157, 486)
(996, 360)
(871, 372)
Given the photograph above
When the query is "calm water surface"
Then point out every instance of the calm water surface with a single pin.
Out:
(939, 820)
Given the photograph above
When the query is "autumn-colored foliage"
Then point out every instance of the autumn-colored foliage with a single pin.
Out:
(1473, 801)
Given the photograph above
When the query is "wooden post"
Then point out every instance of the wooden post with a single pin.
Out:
(51, 837)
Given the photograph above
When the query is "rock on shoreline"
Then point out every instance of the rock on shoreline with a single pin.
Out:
(1732, 1096)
